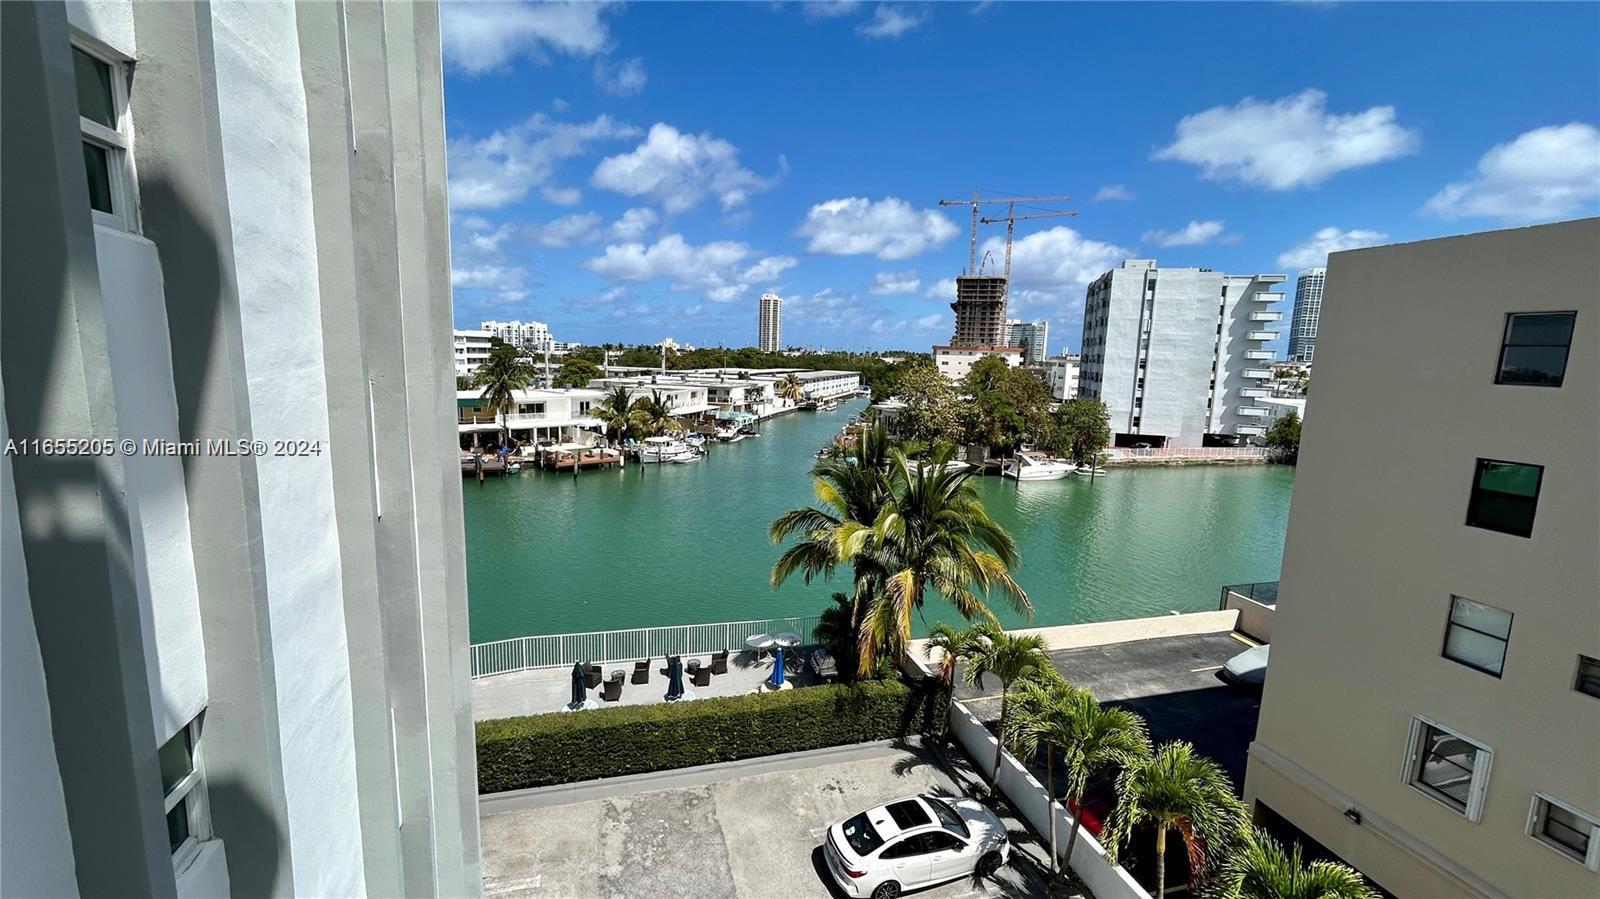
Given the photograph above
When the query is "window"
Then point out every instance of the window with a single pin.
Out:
(906, 848)
(907, 814)
(1534, 349)
(531, 408)
(1588, 680)
(1565, 829)
(861, 835)
(102, 120)
(1504, 496)
(188, 821)
(947, 816)
(1476, 635)
(1448, 767)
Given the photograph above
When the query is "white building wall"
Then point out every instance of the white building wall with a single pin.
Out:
(264, 142)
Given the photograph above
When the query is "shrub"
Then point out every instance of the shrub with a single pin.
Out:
(556, 748)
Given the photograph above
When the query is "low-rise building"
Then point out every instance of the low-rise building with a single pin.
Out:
(955, 361)
(1033, 337)
(1061, 373)
(471, 350)
(540, 415)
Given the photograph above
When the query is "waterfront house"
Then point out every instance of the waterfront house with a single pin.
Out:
(541, 415)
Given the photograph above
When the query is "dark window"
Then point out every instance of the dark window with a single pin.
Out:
(908, 814)
(178, 825)
(1534, 351)
(1477, 635)
(943, 842)
(947, 815)
(906, 848)
(861, 835)
(97, 163)
(1446, 766)
(94, 89)
(1504, 496)
(1563, 829)
(1588, 676)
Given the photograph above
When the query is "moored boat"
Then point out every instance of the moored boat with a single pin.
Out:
(665, 449)
(1033, 466)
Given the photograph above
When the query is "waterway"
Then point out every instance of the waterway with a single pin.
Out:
(686, 544)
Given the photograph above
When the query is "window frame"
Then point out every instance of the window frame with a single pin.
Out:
(117, 142)
(1537, 814)
(190, 790)
(1505, 337)
(1478, 785)
(1478, 467)
(1577, 675)
(1450, 623)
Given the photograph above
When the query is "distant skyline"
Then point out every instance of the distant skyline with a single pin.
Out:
(629, 173)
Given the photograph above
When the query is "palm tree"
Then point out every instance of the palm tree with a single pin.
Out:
(504, 373)
(835, 629)
(954, 644)
(616, 413)
(1175, 787)
(1011, 658)
(932, 531)
(1090, 737)
(653, 417)
(791, 388)
(1260, 869)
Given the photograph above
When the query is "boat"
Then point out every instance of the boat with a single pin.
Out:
(828, 406)
(1032, 466)
(694, 456)
(695, 440)
(955, 465)
(665, 449)
(1090, 469)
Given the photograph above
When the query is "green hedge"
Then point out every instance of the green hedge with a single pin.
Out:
(556, 748)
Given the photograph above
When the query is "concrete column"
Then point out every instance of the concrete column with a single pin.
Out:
(73, 529)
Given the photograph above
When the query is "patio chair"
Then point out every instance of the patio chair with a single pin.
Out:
(613, 687)
(719, 662)
(700, 677)
(641, 671)
(591, 675)
(823, 664)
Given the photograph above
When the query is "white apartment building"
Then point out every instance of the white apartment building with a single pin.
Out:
(770, 327)
(1432, 712)
(1033, 337)
(235, 617)
(1061, 373)
(471, 350)
(1307, 309)
(558, 415)
(954, 362)
(532, 336)
(1179, 354)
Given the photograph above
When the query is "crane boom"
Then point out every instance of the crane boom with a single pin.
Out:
(978, 200)
(1011, 218)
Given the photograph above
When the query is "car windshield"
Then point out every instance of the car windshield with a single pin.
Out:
(947, 815)
(861, 835)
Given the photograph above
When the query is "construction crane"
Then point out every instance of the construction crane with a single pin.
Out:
(979, 200)
(1011, 218)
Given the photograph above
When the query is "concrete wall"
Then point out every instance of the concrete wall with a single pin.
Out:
(1374, 553)
(1255, 619)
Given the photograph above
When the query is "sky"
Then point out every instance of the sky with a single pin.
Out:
(628, 173)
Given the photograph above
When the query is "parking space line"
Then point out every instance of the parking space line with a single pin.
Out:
(1207, 668)
(1243, 639)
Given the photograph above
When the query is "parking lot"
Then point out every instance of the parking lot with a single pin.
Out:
(750, 828)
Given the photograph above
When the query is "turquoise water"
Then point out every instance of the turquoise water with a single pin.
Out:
(685, 544)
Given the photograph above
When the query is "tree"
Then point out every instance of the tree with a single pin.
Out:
(1284, 438)
(1091, 739)
(500, 376)
(791, 388)
(1175, 787)
(835, 630)
(576, 372)
(653, 417)
(1011, 658)
(933, 411)
(463, 382)
(616, 413)
(953, 644)
(1082, 428)
(1260, 869)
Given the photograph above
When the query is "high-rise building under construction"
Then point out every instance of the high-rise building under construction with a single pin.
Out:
(980, 309)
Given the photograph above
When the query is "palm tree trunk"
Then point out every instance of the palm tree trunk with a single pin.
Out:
(1074, 802)
(1050, 805)
(999, 737)
(1161, 861)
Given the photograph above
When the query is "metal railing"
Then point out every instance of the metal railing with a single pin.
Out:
(561, 650)
(1264, 592)
(1190, 452)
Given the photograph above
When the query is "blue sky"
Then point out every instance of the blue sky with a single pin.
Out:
(633, 172)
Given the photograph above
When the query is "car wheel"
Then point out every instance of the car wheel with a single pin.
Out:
(886, 890)
(989, 864)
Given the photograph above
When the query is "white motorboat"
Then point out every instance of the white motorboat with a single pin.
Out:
(1030, 466)
(955, 465)
(666, 449)
(1091, 469)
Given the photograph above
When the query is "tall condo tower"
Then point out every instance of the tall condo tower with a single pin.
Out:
(770, 338)
(980, 309)
(1307, 309)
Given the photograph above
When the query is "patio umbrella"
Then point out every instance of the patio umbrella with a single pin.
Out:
(580, 687)
(674, 679)
(776, 680)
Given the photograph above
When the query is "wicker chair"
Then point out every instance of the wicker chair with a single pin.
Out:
(719, 662)
(641, 671)
(613, 687)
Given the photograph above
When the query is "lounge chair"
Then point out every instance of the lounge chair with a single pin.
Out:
(613, 687)
(823, 664)
(641, 671)
(719, 662)
(592, 676)
(700, 677)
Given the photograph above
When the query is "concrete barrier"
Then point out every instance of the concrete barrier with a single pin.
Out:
(1255, 619)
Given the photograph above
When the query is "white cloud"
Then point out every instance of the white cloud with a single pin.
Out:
(491, 172)
(942, 289)
(479, 37)
(891, 21)
(1314, 250)
(1113, 192)
(1287, 143)
(678, 170)
(566, 231)
(1547, 173)
(1191, 235)
(723, 270)
(889, 228)
(561, 196)
(891, 283)
(622, 79)
(1056, 264)
(929, 322)
(827, 309)
(633, 224)
(829, 9)
(486, 276)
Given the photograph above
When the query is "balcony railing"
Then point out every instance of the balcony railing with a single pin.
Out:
(1266, 296)
(1255, 392)
(561, 650)
(1261, 335)
(1259, 374)
(1252, 411)
(1266, 316)
(1260, 354)
(1264, 592)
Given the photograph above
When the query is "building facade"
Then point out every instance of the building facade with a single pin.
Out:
(954, 362)
(235, 620)
(1033, 337)
(770, 326)
(1307, 309)
(980, 309)
(471, 350)
(1179, 354)
(1061, 373)
(1432, 713)
(532, 336)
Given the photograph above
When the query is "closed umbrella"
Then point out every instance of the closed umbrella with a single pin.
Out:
(776, 680)
(674, 679)
(580, 686)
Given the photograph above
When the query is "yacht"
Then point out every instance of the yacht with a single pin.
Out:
(665, 449)
(1032, 466)
(1091, 469)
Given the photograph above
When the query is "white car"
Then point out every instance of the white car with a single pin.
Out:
(912, 843)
